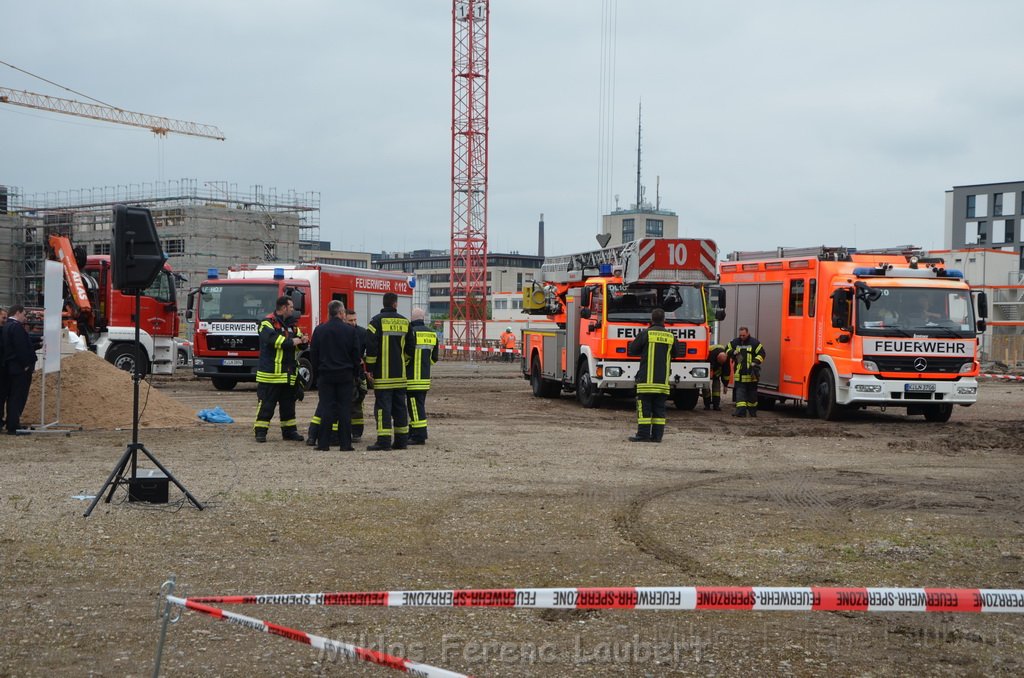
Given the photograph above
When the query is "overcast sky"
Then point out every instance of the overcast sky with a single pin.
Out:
(783, 123)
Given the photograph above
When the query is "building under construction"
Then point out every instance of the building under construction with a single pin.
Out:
(202, 226)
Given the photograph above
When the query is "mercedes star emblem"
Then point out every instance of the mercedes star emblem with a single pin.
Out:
(920, 364)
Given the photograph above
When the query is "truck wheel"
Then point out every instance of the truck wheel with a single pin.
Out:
(825, 396)
(182, 358)
(222, 384)
(124, 357)
(938, 413)
(685, 399)
(542, 388)
(585, 391)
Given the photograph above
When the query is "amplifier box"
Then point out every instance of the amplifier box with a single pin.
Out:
(149, 485)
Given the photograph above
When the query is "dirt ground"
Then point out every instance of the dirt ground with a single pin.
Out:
(512, 491)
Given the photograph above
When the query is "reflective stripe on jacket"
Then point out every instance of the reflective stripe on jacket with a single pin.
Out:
(421, 347)
(747, 356)
(385, 348)
(278, 356)
(656, 347)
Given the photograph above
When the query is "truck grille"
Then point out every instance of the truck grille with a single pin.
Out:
(905, 364)
(230, 342)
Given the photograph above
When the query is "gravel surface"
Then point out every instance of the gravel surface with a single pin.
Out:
(513, 490)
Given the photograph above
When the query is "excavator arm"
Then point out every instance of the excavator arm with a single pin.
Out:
(78, 285)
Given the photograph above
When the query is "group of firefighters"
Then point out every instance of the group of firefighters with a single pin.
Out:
(392, 355)
(656, 347)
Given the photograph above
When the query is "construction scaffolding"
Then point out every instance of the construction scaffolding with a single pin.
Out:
(202, 225)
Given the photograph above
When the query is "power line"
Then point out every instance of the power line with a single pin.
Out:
(55, 84)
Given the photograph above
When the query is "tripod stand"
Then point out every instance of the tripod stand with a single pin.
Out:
(131, 453)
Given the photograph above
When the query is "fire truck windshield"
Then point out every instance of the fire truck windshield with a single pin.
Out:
(218, 301)
(634, 303)
(916, 310)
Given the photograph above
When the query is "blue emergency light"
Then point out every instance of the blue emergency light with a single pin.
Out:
(606, 269)
(278, 274)
(212, 274)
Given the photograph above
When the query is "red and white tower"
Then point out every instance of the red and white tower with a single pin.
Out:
(468, 288)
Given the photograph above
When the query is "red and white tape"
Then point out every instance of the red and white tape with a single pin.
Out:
(334, 646)
(767, 598)
(1004, 377)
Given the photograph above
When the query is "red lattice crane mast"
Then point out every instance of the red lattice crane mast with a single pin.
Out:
(468, 297)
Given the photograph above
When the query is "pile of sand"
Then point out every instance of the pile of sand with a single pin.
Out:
(97, 395)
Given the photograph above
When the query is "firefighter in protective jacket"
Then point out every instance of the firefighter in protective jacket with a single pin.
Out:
(720, 373)
(421, 349)
(656, 348)
(276, 373)
(747, 355)
(385, 356)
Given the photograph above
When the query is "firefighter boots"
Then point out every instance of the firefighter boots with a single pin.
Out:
(716, 403)
(382, 445)
(643, 435)
(291, 434)
(657, 432)
(261, 436)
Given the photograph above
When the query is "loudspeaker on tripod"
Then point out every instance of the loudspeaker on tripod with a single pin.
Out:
(136, 256)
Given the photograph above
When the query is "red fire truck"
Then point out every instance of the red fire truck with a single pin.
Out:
(601, 300)
(226, 312)
(105, 317)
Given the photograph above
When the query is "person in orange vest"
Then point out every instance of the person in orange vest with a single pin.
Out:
(508, 345)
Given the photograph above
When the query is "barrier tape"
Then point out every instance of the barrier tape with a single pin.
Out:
(319, 642)
(767, 598)
(1004, 377)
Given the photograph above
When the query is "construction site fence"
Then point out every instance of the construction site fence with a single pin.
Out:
(1007, 349)
(488, 351)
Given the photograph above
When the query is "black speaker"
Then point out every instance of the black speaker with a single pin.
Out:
(136, 257)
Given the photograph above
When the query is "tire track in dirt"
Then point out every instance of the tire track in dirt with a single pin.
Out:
(631, 526)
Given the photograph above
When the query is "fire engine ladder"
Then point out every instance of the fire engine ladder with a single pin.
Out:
(561, 269)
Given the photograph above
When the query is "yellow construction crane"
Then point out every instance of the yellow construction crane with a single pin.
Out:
(156, 124)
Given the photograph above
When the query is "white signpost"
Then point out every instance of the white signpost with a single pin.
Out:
(53, 307)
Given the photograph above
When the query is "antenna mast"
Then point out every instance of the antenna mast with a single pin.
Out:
(639, 120)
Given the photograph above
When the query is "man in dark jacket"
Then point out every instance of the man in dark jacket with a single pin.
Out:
(421, 347)
(747, 355)
(333, 352)
(19, 364)
(656, 347)
(362, 386)
(276, 373)
(385, 355)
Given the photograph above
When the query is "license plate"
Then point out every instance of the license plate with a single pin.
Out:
(920, 388)
(236, 363)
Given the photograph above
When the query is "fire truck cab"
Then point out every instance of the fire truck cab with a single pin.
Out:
(845, 329)
(226, 312)
(601, 300)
